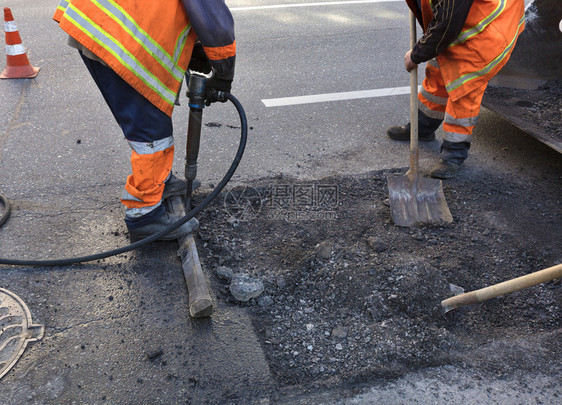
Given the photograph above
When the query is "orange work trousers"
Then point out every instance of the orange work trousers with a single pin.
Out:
(459, 116)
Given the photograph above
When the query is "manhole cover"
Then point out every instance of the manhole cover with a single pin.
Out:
(16, 330)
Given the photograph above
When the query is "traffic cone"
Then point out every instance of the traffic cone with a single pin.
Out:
(18, 64)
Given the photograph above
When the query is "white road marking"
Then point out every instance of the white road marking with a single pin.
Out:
(322, 98)
(317, 4)
(348, 95)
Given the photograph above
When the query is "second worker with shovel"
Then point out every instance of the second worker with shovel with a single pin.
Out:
(465, 42)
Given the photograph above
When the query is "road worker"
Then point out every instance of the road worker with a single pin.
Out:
(465, 43)
(138, 52)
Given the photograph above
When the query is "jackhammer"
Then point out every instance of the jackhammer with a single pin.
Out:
(197, 97)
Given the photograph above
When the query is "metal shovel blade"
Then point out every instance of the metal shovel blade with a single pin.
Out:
(417, 200)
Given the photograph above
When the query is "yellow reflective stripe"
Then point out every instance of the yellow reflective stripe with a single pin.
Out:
(63, 4)
(474, 75)
(478, 28)
(153, 48)
(180, 44)
(111, 45)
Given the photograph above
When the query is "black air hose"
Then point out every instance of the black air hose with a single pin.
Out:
(188, 216)
(7, 209)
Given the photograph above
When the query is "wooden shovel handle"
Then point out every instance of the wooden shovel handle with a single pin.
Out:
(414, 151)
(506, 287)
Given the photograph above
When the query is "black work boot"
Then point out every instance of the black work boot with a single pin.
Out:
(161, 222)
(426, 129)
(452, 155)
(444, 170)
(402, 133)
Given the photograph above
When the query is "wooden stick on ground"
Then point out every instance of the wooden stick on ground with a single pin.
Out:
(200, 302)
(516, 284)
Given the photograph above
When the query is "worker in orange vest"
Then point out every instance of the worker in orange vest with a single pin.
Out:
(465, 43)
(138, 53)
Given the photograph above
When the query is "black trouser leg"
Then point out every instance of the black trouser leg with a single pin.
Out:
(426, 125)
(454, 152)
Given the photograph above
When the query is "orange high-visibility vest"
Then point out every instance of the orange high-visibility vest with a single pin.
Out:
(147, 43)
(483, 46)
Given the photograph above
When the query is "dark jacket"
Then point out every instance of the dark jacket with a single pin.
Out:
(213, 23)
(448, 19)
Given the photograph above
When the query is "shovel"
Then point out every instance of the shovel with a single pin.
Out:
(415, 199)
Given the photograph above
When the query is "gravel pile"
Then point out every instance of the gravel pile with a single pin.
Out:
(354, 298)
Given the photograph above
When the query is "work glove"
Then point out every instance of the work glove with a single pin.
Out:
(199, 61)
(214, 87)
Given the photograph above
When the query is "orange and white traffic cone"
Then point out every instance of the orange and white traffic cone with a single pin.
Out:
(18, 64)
